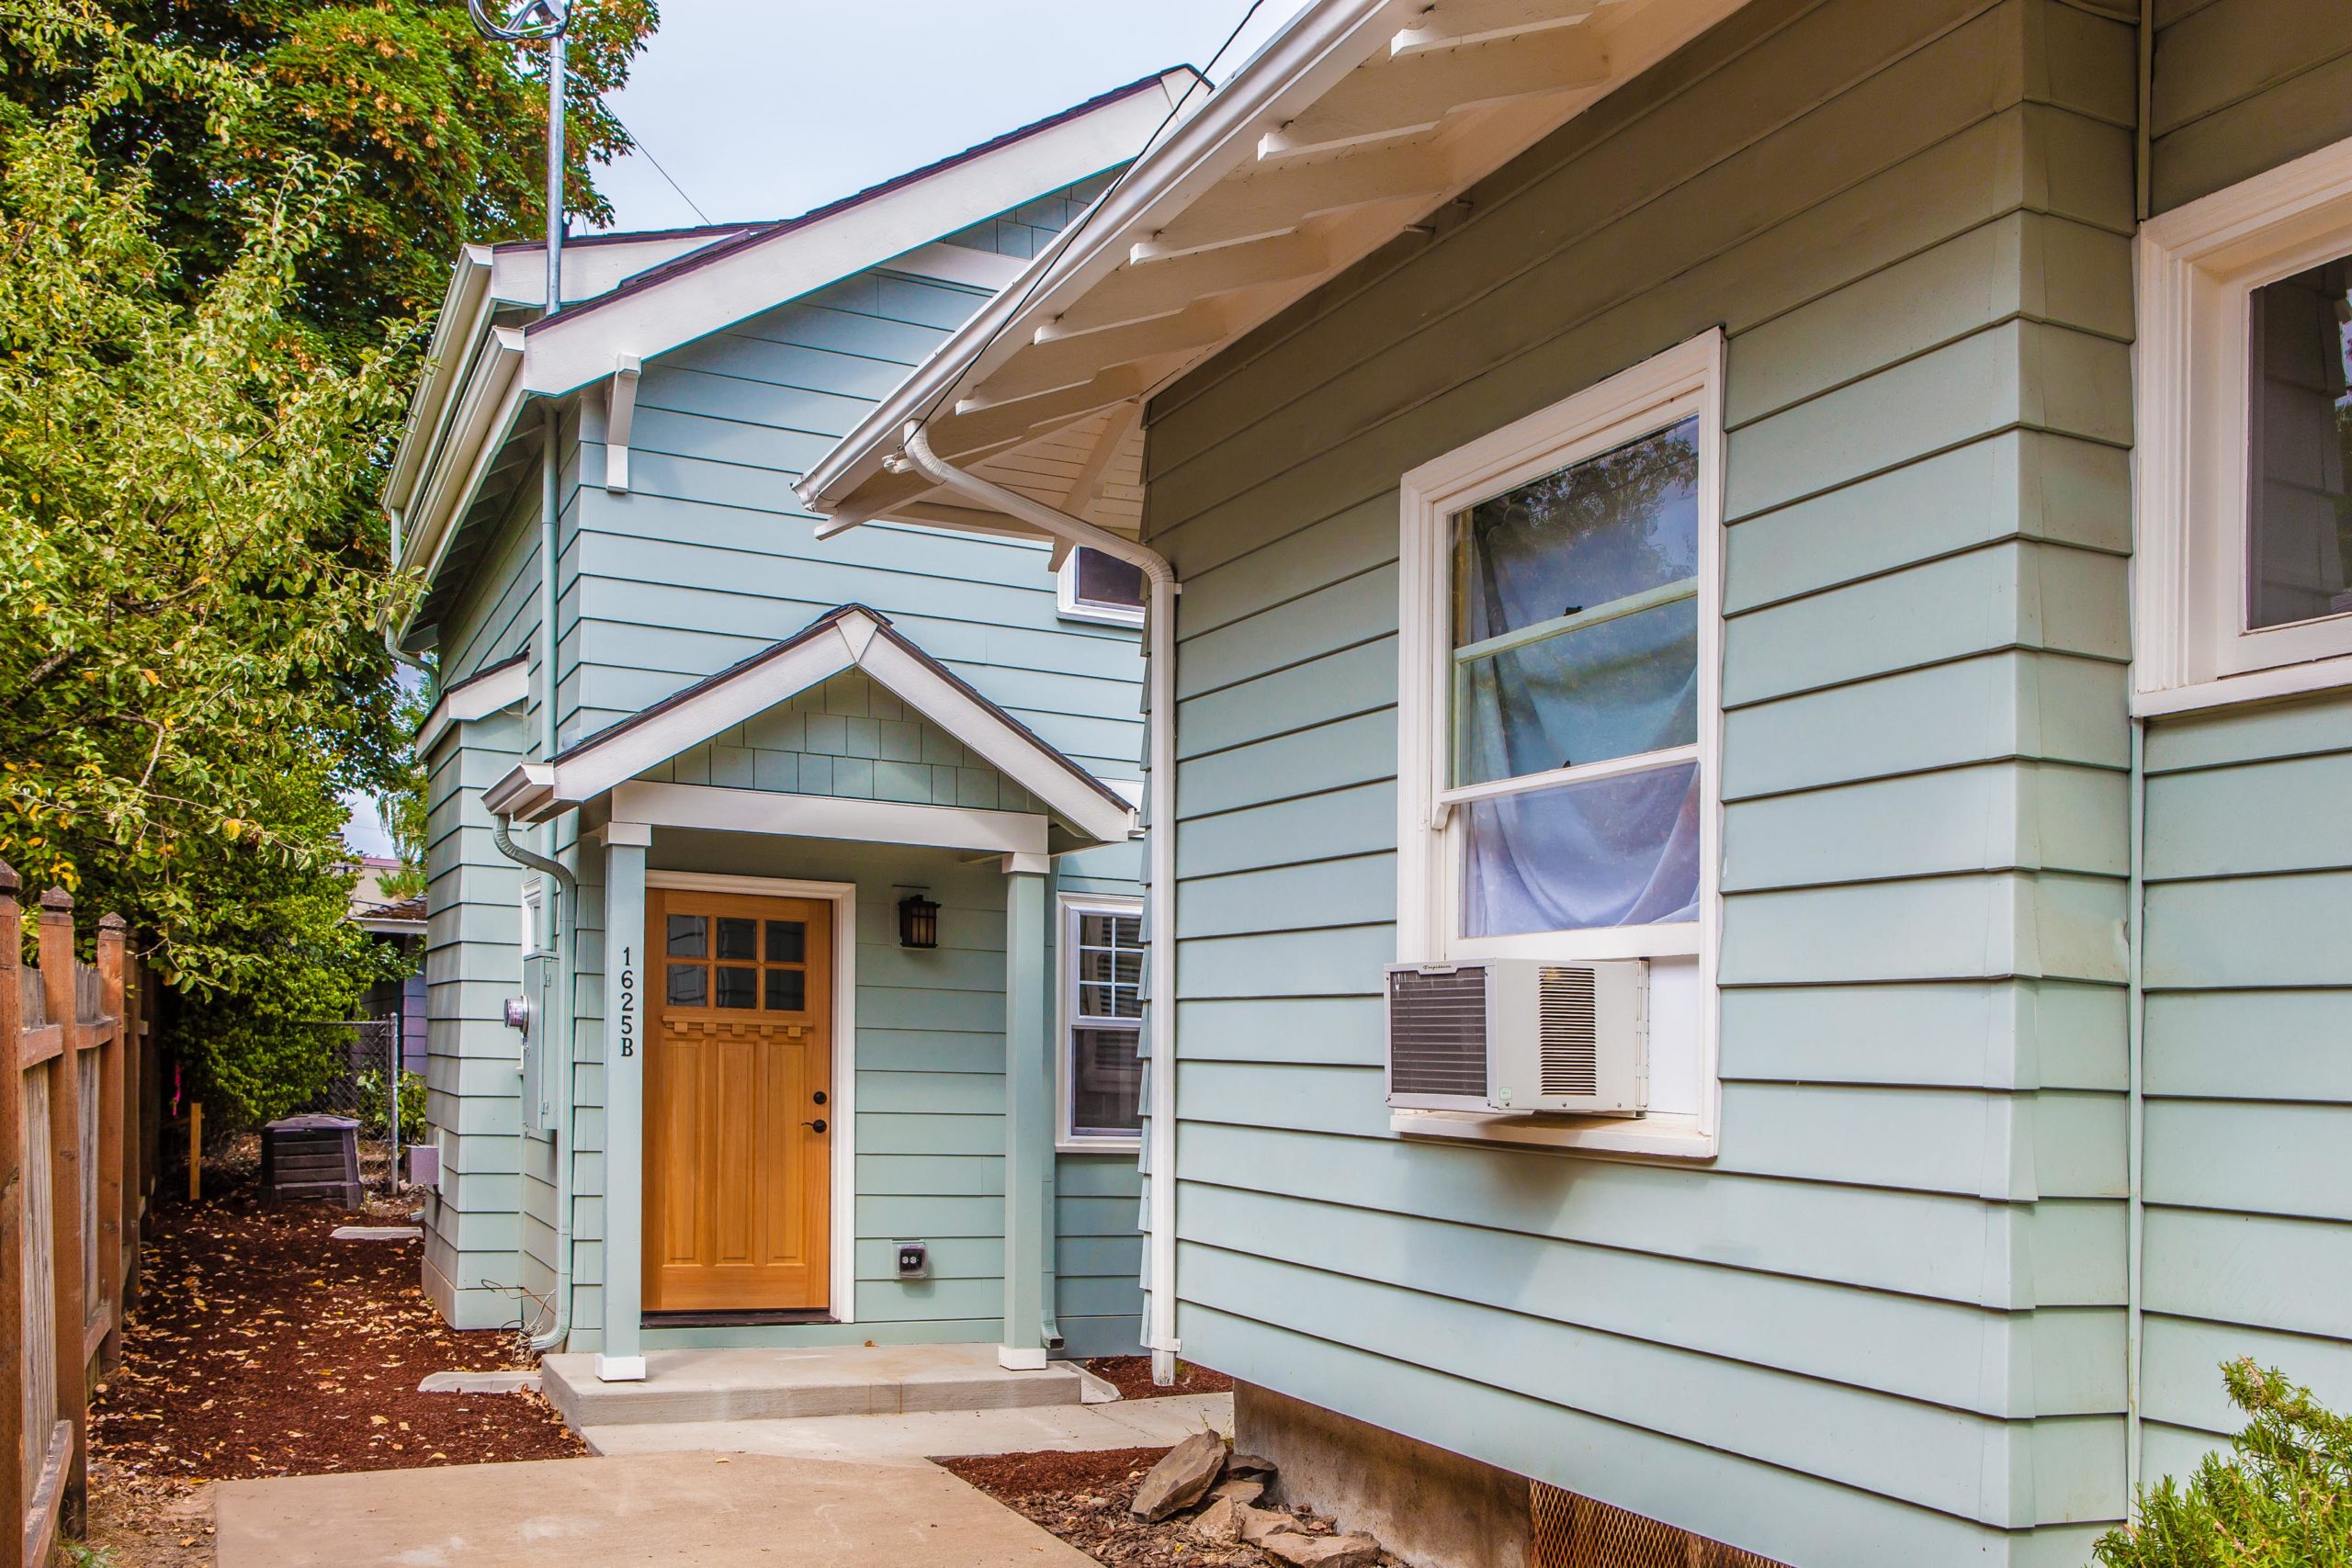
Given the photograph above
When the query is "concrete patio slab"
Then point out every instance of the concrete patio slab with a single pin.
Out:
(910, 1441)
(644, 1511)
(746, 1384)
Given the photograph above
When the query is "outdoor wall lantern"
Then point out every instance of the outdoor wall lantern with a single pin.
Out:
(918, 922)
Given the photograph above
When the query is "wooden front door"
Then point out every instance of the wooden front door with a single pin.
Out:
(738, 1104)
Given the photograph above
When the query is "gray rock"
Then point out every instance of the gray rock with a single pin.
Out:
(1354, 1549)
(1219, 1524)
(1259, 1526)
(376, 1233)
(1241, 1491)
(1182, 1477)
(1240, 1463)
(478, 1383)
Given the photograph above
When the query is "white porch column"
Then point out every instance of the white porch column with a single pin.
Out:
(1028, 1112)
(626, 965)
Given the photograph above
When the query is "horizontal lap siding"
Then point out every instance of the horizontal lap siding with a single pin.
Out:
(2249, 1061)
(1889, 1313)
(2242, 86)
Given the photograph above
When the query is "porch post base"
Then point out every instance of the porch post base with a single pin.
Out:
(1014, 1359)
(620, 1369)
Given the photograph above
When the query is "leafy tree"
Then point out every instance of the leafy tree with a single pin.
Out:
(190, 609)
(2283, 1499)
(439, 132)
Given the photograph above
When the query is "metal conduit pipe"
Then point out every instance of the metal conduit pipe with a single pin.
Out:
(1159, 625)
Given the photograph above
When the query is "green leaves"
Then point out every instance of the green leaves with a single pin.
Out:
(2283, 1500)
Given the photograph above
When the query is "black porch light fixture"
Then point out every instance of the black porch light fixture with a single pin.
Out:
(918, 922)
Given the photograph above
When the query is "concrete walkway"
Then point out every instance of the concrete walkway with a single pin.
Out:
(910, 1440)
(693, 1510)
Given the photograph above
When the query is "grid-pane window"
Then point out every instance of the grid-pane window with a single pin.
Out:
(1103, 965)
(735, 963)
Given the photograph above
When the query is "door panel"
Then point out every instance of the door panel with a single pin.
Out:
(739, 1072)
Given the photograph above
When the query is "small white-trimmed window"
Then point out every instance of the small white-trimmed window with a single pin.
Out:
(1102, 1023)
(533, 928)
(1093, 586)
(2243, 558)
(1560, 704)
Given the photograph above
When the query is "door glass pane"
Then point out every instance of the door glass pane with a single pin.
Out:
(788, 990)
(2299, 564)
(1106, 1082)
(738, 988)
(739, 939)
(688, 934)
(1614, 851)
(686, 985)
(787, 942)
(1594, 534)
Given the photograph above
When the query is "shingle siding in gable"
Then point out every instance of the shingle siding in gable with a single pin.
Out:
(1911, 220)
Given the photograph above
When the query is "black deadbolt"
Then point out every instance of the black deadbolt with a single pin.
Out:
(819, 1097)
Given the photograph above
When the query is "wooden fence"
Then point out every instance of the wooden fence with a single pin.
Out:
(77, 1147)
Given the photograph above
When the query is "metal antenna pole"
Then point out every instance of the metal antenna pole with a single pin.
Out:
(527, 21)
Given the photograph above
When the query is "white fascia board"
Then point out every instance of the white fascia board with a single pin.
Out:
(466, 306)
(829, 816)
(472, 700)
(1322, 45)
(1013, 752)
(591, 266)
(483, 414)
(573, 350)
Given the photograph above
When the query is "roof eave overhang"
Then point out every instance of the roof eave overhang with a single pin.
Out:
(570, 350)
(465, 308)
(1287, 178)
(482, 415)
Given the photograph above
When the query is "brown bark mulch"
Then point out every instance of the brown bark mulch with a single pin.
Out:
(1132, 1376)
(262, 1346)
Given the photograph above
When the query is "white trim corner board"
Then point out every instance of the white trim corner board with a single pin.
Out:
(842, 1293)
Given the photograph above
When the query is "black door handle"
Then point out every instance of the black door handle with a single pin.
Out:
(817, 1125)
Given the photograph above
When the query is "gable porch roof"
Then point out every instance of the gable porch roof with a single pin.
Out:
(850, 638)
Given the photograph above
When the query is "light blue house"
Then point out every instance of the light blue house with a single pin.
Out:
(783, 949)
(1823, 522)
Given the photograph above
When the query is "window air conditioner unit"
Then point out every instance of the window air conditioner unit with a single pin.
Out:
(1521, 1036)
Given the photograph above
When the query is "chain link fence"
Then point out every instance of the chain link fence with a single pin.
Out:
(367, 1085)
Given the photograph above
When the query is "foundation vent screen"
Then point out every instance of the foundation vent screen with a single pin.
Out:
(1572, 1531)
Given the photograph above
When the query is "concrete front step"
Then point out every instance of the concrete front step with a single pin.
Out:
(771, 1384)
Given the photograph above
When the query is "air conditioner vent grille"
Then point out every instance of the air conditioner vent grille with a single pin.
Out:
(1437, 1032)
(1569, 1036)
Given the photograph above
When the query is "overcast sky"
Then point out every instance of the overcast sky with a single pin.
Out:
(764, 108)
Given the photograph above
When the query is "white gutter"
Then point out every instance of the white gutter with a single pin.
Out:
(1160, 622)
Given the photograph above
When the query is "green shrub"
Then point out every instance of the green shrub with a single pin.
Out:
(376, 1106)
(2282, 1499)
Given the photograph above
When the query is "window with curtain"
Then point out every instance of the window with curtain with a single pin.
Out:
(1102, 954)
(1572, 710)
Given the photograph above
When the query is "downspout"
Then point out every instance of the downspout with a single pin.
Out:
(2135, 950)
(1159, 1331)
(558, 1051)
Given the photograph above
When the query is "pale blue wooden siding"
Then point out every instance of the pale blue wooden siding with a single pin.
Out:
(707, 559)
(851, 739)
(2249, 1061)
(1887, 1324)
(2241, 85)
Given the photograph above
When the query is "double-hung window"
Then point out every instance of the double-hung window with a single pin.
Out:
(2243, 558)
(1102, 1027)
(1559, 697)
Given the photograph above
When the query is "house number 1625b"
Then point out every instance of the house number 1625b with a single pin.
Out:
(629, 1002)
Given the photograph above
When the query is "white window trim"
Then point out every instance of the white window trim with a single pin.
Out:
(531, 936)
(1073, 608)
(1677, 384)
(1071, 906)
(2197, 266)
(842, 896)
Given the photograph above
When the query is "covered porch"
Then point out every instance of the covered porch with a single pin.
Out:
(813, 1088)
